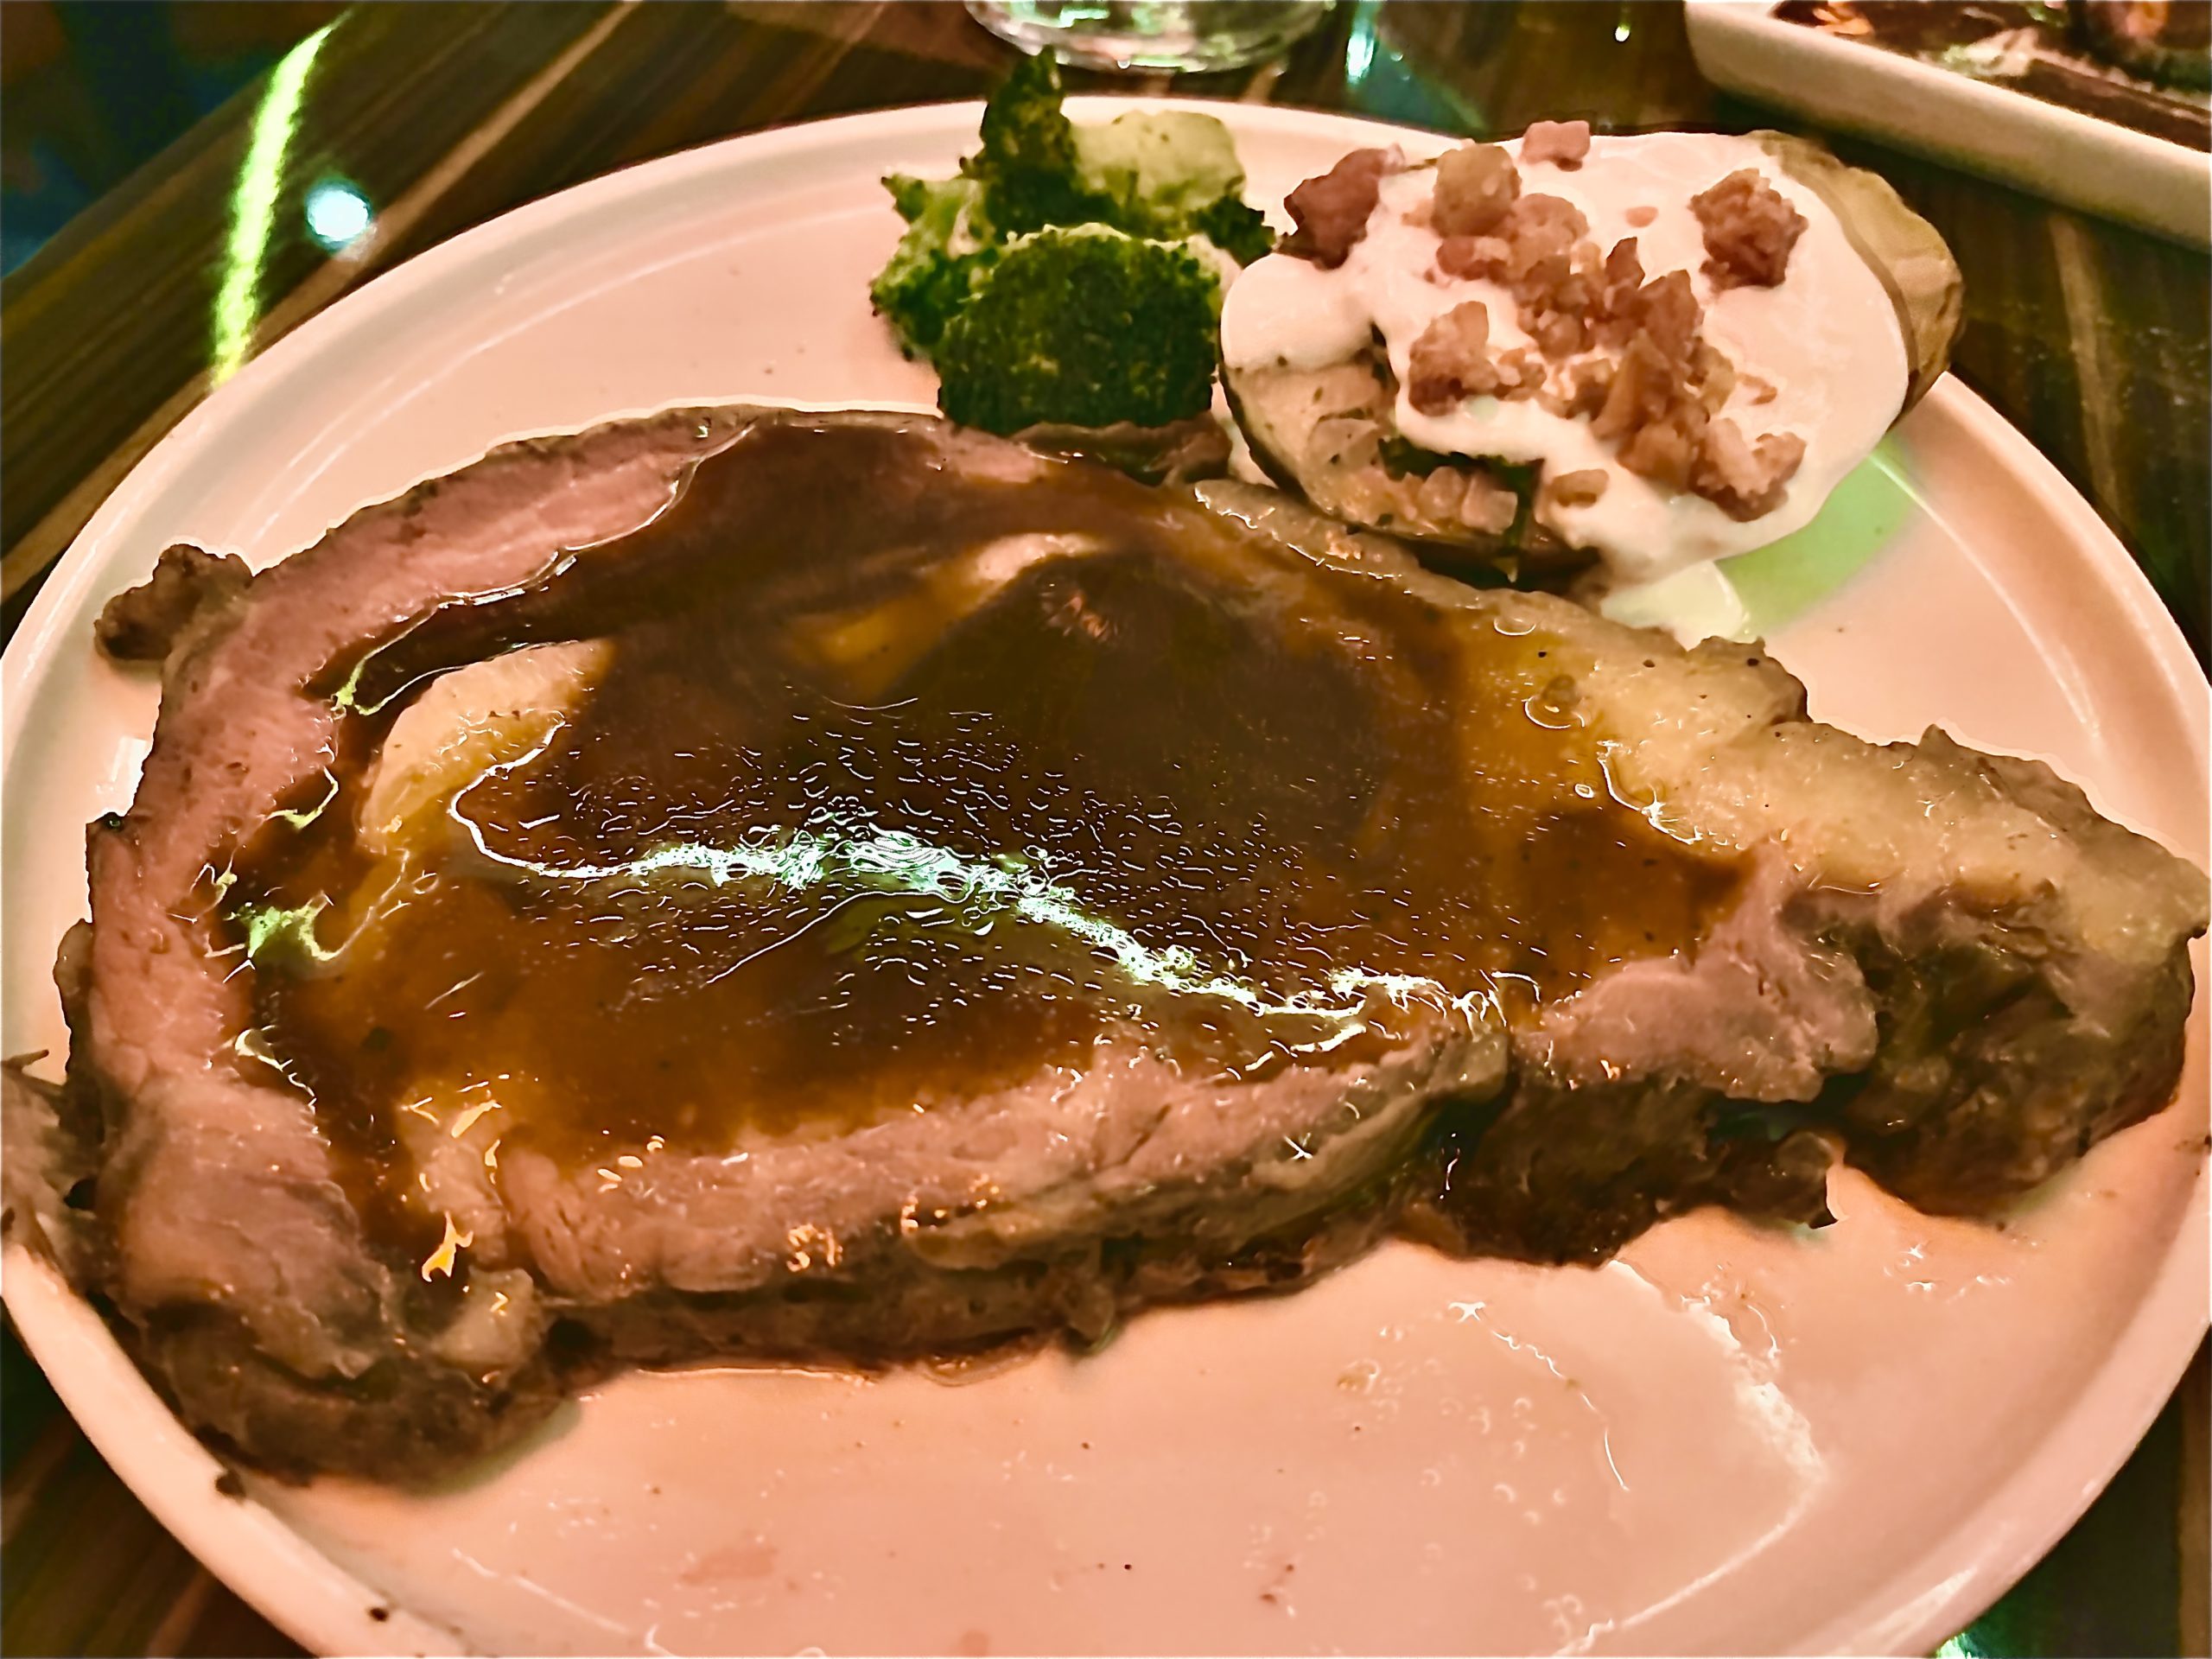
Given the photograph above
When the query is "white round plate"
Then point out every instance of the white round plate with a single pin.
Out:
(1729, 1439)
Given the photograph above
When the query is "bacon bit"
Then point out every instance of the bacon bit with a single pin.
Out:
(1665, 450)
(1553, 274)
(1614, 316)
(1588, 385)
(1749, 230)
(1624, 266)
(1476, 186)
(1473, 256)
(1762, 391)
(1521, 373)
(1332, 210)
(1662, 403)
(1744, 480)
(1644, 413)
(1544, 228)
(1653, 409)
(1578, 489)
(1637, 392)
(1566, 142)
(1670, 314)
(1450, 360)
(1559, 334)
(1658, 402)
(1641, 216)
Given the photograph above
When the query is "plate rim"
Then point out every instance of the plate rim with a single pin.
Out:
(323, 1604)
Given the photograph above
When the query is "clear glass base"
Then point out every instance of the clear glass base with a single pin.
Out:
(1152, 35)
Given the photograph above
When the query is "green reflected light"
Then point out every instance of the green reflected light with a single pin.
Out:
(1781, 581)
(253, 207)
(1756, 594)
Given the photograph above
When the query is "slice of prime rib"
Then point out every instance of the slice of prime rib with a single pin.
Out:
(749, 881)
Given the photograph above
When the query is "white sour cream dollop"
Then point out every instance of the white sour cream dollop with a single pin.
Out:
(1827, 339)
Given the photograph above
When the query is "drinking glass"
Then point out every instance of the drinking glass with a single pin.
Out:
(1193, 34)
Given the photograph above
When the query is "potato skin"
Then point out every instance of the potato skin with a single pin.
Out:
(1903, 251)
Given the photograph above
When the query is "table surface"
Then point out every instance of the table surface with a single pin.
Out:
(2091, 338)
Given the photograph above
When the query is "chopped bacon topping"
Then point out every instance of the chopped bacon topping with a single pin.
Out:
(1473, 256)
(1607, 343)
(1647, 417)
(1749, 230)
(1450, 360)
(1620, 278)
(1544, 228)
(1476, 186)
(1559, 334)
(1658, 405)
(1332, 210)
(1669, 315)
(1566, 142)
(1745, 479)
(1588, 384)
(1521, 373)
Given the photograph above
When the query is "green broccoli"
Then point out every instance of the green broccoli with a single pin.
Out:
(948, 245)
(1027, 163)
(1172, 175)
(1238, 230)
(1167, 176)
(1082, 326)
(1152, 171)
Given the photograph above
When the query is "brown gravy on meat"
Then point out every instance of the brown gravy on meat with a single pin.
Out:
(883, 796)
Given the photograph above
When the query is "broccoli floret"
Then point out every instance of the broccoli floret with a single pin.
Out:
(1158, 179)
(1157, 168)
(1171, 174)
(1239, 231)
(1027, 163)
(1084, 326)
(948, 245)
